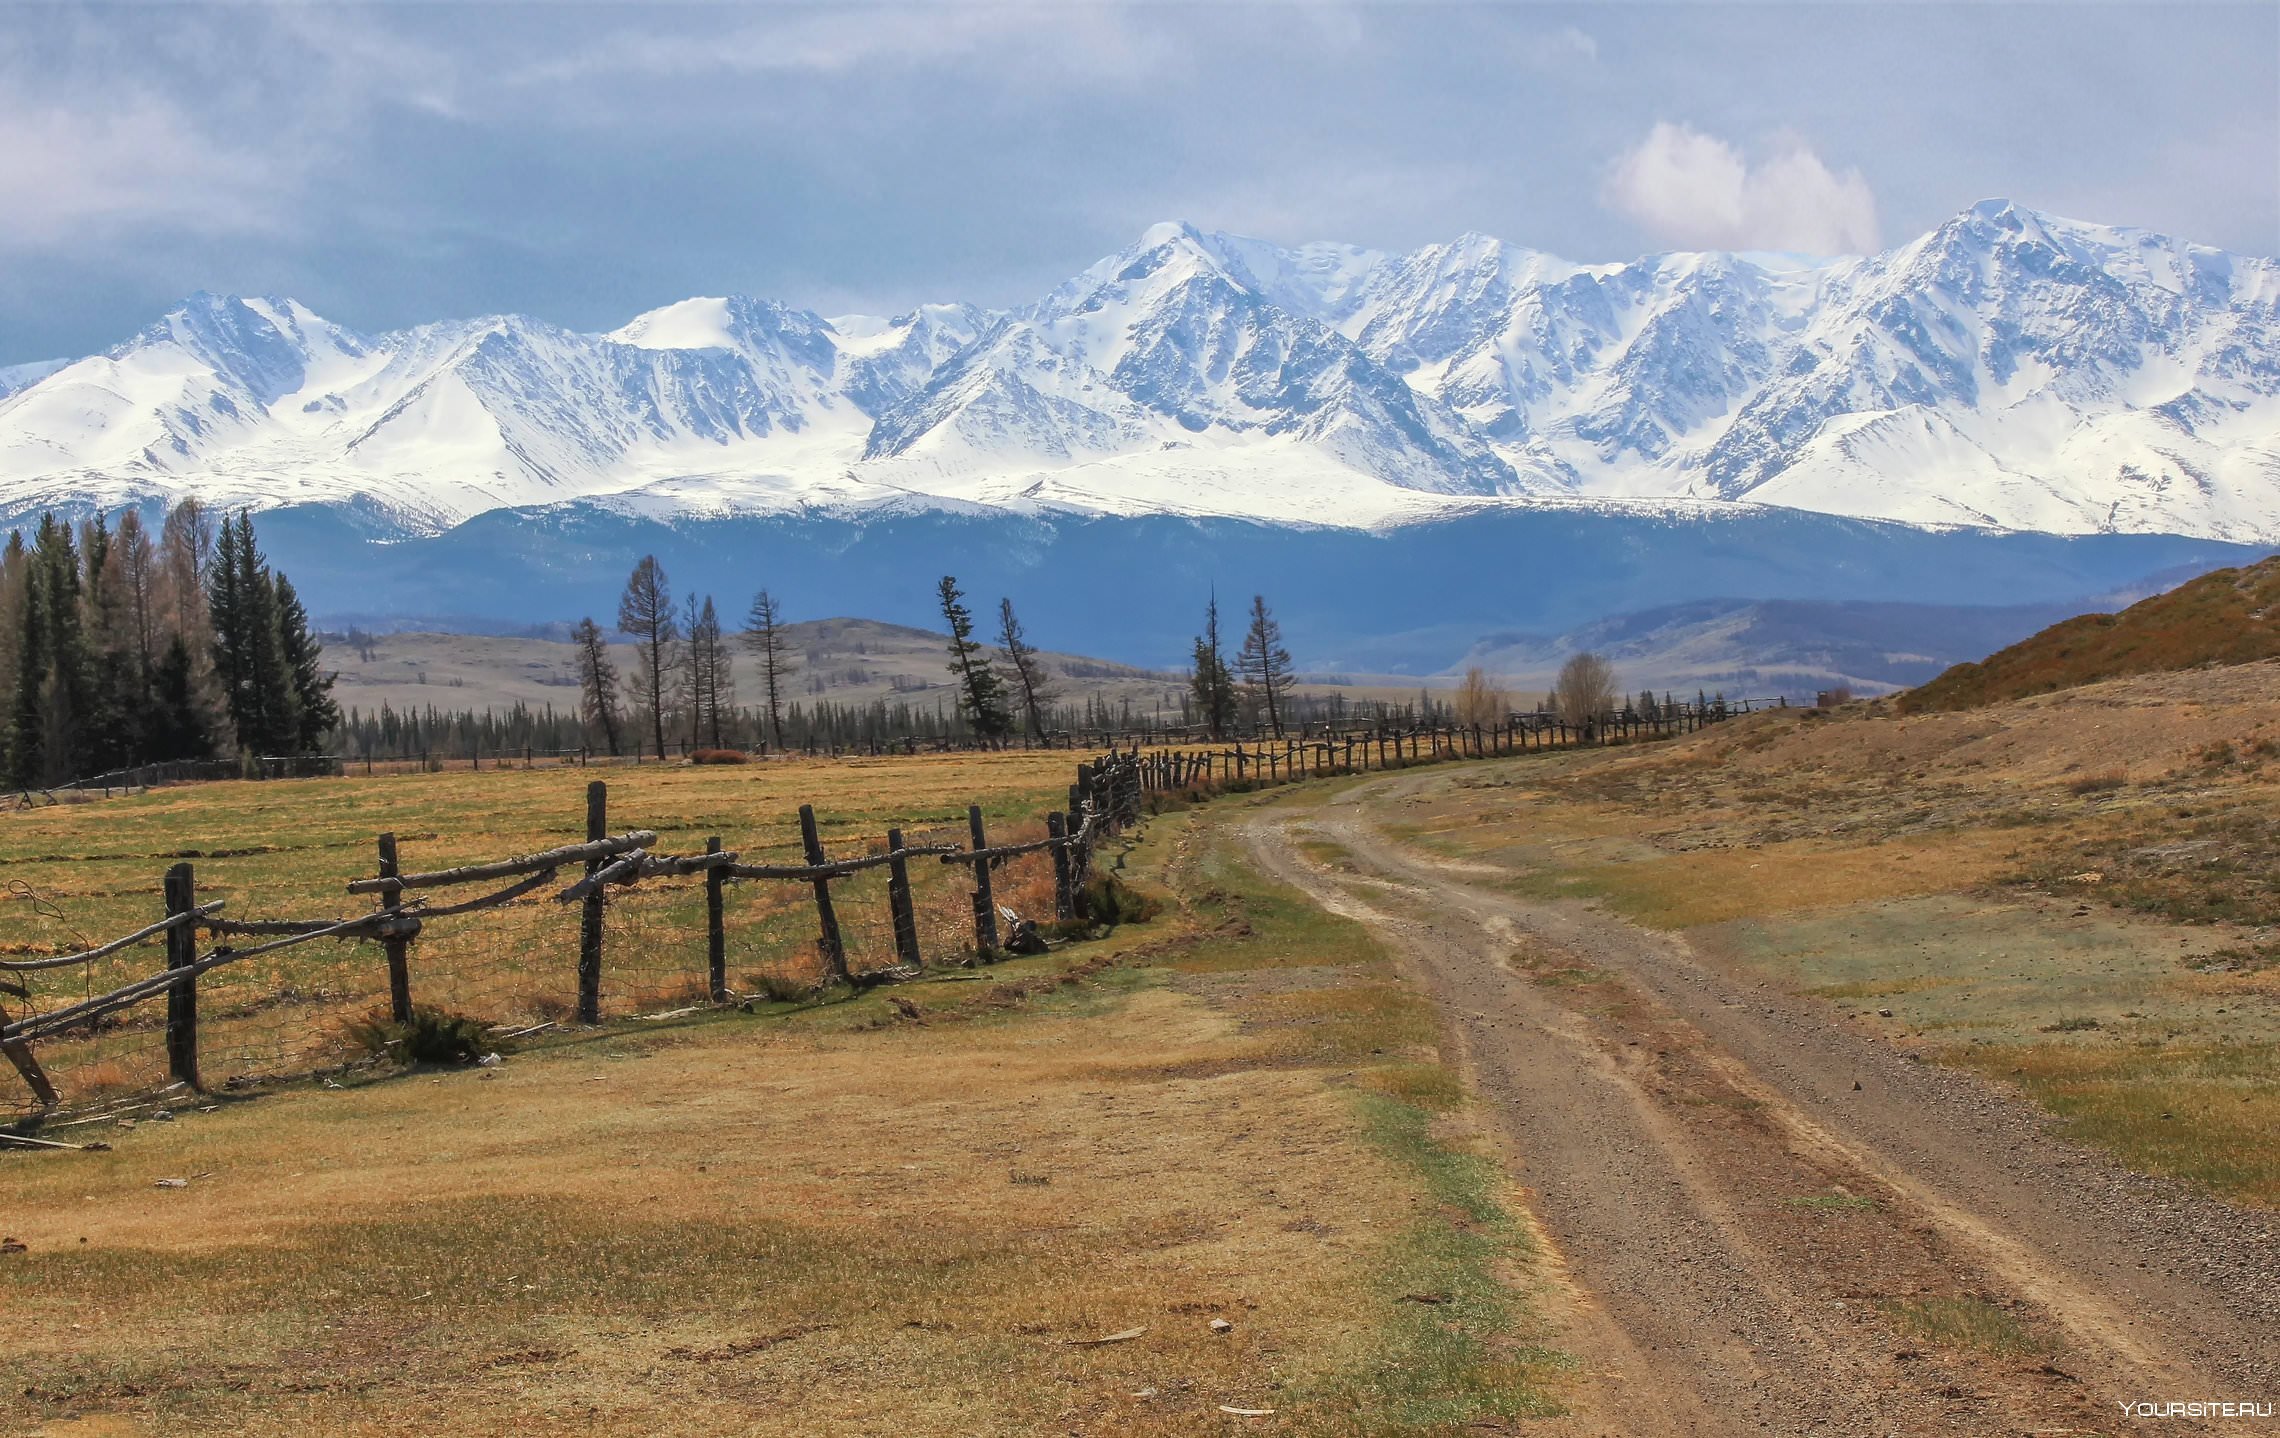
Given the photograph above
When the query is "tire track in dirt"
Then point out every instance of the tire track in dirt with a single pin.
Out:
(1662, 1115)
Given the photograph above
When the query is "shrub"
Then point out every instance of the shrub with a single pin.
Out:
(1109, 900)
(782, 988)
(431, 1036)
(2104, 783)
(720, 756)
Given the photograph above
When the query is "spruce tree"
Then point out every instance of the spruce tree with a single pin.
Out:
(65, 701)
(27, 735)
(314, 712)
(176, 728)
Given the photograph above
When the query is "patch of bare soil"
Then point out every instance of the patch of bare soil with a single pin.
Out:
(1774, 1223)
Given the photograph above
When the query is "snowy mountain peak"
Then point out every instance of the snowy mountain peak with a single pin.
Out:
(2008, 368)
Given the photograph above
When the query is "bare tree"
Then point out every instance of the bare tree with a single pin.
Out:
(1480, 701)
(136, 583)
(597, 681)
(1264, 664)
(186, 551)
(1586, 688)
(710, 685)
(646, 613)
(1028, 669)
(764, 639)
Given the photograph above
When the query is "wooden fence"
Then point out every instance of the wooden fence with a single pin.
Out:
(1110, 794)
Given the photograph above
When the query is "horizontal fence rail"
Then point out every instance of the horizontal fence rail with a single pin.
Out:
(311, 1008)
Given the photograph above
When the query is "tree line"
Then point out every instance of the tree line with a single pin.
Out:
(118, 648)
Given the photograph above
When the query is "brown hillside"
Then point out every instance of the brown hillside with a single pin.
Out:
(2223, 617)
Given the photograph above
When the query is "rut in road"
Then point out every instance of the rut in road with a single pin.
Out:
(1736, 1185)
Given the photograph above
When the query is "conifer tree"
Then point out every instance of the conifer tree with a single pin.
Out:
(27, 732)
(314, 712)
(1264, 663)
(176, 728)
(764, 638)
(597, 682)
(1028, 669)
(1209, 683)
(981, 694)
(646, 613)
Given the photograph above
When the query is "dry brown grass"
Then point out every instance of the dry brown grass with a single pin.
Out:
(853, 1219)
(1996, 880)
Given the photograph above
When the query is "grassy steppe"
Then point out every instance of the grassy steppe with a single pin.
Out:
(853, 1217)
(82, 873)
(2071, 893)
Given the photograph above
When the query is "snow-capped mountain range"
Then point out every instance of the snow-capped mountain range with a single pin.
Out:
(2007, 370)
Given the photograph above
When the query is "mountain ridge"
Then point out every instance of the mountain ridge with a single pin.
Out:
(2008, 370)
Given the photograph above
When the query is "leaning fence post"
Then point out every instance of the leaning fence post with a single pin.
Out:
(590, 915)
(716, 928)
(828, 943)
(1064, 902)
(393, 941)
(182, 996)
(898, 903)
(985, 904)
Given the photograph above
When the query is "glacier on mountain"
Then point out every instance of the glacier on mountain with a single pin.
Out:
(2008, 370)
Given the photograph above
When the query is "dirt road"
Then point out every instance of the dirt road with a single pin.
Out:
(1760, 1212)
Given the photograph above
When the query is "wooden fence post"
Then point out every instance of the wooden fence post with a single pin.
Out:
(716, 928)
(590, 915)
(1064, 898)
(182, 997)
(828, 942)
(393, 942)
(985, 903)
(899, 905)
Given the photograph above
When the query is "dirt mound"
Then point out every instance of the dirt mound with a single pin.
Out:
(2224, 617)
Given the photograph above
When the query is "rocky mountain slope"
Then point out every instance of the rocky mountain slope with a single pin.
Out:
(2009, 370)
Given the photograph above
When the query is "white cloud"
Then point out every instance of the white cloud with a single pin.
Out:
(67, 172)
(1697, 191)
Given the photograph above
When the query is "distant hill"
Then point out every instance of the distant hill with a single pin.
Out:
(2223, 617)
(1766, 647)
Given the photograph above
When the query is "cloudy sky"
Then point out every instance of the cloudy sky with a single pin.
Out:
(395, 164)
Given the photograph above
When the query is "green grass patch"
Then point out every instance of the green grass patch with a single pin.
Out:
(1457, 1347)
(1830, 1202)
(1967, 1322)
(2198, 1111)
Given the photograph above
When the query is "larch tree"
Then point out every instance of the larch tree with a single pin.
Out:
(981, 693)
(1028, 670)
(764, 641)
(646, 614)
(597, 681)
(1264, 663)
(711, 683)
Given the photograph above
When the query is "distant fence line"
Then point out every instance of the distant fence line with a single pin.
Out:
(1678, 717)
(97, 1034)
